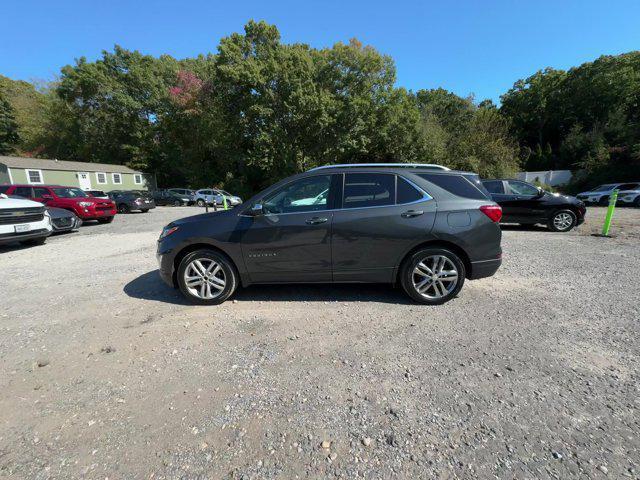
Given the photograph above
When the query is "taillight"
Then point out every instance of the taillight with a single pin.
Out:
(494, 212)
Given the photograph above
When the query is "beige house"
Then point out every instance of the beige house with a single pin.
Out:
(86, 175)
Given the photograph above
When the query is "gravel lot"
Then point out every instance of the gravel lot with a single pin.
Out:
(108, 373)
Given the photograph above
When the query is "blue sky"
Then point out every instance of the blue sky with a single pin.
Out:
(470, 47)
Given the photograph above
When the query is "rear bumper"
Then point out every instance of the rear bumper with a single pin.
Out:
(484, 268)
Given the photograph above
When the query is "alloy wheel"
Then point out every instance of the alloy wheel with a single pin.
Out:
(204, 278)
(435, 277)
(563, 221)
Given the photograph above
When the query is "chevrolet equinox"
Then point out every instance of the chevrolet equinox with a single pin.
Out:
(424, 227)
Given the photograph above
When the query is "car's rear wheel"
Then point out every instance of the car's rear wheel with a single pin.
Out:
(200, 202)
(562, 221)
(207, 277)
(123, 208)
(144, 210)
(432, 275)
(177, 203)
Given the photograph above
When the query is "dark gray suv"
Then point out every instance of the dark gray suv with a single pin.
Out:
(424, 227)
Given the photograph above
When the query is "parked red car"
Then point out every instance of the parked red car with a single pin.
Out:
(69, 198)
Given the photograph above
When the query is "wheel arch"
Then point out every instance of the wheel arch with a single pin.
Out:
(187, 249)
(459, 251)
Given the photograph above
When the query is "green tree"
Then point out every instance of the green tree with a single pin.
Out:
(8, 127)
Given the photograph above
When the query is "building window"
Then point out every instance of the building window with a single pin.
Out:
(137, 179)
(101, 178)
(34, 176)
(117, 178)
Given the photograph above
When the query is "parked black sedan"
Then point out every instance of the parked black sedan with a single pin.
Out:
(168, 197)
(527, 204)
(63, 220)
(129, 200)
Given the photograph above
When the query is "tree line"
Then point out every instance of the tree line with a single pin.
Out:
(258, 110)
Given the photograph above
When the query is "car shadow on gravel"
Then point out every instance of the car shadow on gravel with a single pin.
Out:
(150, 286)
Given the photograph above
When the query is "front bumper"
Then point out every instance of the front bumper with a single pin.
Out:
(91, 213)
(60, 225)
(165, 266)
(21, 237)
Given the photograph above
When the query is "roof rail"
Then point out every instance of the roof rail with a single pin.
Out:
(430, 166)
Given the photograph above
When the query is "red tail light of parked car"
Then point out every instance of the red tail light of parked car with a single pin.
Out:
(494, 212)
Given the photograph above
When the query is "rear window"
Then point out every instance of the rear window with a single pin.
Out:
(456, 184)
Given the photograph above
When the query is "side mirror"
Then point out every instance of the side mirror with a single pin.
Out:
(256, 210)
(540, 192)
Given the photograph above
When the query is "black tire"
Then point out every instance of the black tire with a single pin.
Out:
(35, 241)
(200, 202)
(555, 223)
(177, 203)
(636, 202)
(145, 210)
(123, 208)
(604, 201)
(106, 220)
(408, 283)
(228, 269)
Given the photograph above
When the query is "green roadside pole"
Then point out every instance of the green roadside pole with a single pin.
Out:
(612, 205)
(224, 202)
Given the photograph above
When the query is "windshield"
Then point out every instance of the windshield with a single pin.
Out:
(68, 192)
(604, 188)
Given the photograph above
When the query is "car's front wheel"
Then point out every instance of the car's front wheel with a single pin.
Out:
(207, 277)
(562, 221)
(123, 208)
(200, 202)
(432, 275)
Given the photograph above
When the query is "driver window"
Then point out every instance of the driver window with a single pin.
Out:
(521, 188)
(305, 195)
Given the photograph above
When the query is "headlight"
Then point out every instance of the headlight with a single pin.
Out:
(85, 204)
(166, 231)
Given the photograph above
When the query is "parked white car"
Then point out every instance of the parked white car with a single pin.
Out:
(23, 221)
(628, 193)
(209, 196)
(599, 195)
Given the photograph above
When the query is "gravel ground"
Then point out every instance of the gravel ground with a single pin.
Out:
(108, 373)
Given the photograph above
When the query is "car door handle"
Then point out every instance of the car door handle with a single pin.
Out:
(316, 220)
(411, 213)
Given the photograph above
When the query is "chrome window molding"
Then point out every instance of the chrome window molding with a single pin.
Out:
(426, 197)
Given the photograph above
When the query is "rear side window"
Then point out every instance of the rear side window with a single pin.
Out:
(368, 190)
(493, 186)
(23, 192)
(4, 188)
(456, 184)
(406, 192)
